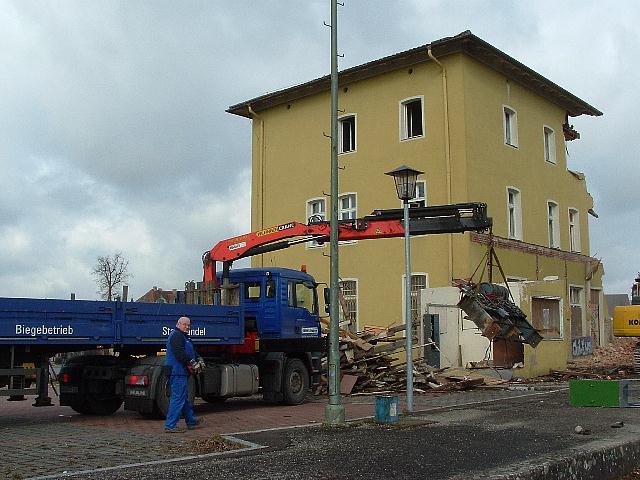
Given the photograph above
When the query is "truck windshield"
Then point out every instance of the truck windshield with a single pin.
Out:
(303, 295)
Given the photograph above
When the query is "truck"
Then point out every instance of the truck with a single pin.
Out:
(257, 329)
(626, 321)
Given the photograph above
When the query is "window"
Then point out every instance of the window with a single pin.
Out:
(575, 300)
(302, 296)
(347, 206)
(510, 126)
(420, 200)
(546, 317)
(574, 230)
(514, 214)
(411, 119)
(252, 290)
(552, 220)
(347, 210)
(549, 145)
(418, 283)
(270, 291)
(349, 304)
(316, 212)
(347, 134)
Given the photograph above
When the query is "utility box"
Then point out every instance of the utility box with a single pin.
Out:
(604, 393)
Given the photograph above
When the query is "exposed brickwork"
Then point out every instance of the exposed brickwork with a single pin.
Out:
(509, 244)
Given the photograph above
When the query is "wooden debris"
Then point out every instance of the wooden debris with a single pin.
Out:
(369, 365)
(346, 384)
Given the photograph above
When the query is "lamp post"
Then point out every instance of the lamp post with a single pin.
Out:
(405, 179)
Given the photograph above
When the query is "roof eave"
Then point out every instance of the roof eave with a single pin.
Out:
(465, 42)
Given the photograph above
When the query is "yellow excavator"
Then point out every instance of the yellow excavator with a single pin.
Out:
(626, 321)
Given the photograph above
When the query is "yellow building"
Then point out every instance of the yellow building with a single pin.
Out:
(484, 128)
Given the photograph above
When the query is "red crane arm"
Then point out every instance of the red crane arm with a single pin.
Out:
(380, 224)
(288, 234)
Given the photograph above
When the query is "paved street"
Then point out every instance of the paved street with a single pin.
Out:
(476, 434)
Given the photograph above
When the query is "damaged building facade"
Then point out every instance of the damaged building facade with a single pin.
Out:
(484, 128)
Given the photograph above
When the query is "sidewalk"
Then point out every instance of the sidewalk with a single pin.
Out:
(497, 433)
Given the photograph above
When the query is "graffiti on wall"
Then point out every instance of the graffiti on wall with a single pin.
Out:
(581, 346)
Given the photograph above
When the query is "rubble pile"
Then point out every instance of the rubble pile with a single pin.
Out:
(610, 362)
(369, 365)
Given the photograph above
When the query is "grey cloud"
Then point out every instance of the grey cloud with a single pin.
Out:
(113, 132)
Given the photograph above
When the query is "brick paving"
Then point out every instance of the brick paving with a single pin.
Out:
(52, 440)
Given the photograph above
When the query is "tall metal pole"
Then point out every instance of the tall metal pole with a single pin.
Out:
(334, 413)
(407, 310)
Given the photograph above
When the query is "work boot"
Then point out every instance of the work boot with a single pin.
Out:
(174, 430)
(198, 424)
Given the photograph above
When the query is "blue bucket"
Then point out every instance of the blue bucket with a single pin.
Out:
(387, 409)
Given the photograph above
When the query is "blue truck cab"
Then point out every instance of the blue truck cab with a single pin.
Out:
(263, 337)
(278, 303)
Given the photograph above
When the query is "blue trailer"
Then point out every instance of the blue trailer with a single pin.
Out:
(265, 339)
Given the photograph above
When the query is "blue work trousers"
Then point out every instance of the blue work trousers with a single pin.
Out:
(179, 403)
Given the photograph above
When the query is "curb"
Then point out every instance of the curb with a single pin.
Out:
(606, 460)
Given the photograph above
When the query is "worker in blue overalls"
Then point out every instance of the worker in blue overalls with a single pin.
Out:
(181, 356)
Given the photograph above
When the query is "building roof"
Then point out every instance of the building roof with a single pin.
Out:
(616, 300)
(465, 42)
(158, 295)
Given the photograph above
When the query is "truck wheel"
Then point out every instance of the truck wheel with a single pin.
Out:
(163, 395)
(295, 382)
(104, 406)
(79, 405)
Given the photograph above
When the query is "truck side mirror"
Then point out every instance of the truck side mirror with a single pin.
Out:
(327, 298)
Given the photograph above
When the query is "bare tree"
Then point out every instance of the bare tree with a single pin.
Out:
(110, 272)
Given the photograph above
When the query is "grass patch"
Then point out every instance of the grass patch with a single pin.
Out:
(213, 444)
(403, 422)
(334, 426)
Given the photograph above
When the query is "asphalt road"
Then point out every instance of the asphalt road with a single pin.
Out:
(511, 438)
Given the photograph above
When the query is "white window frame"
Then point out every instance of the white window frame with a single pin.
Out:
(553, 223)
(580, 289)
(309, 213)
(341, 121)
(420, 197)
(549, 143)
(574, 230)
(514, 214)
(356, 327)
(510, 126)
(581, 303)
(404, 119)
(404, 287)
(353, 211)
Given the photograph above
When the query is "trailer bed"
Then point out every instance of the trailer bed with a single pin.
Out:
(28, 321)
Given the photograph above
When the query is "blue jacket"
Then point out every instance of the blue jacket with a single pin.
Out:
(180, 351)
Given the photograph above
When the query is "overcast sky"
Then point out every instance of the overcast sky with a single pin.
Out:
(114, 136)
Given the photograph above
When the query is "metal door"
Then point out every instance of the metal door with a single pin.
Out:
(431, 332)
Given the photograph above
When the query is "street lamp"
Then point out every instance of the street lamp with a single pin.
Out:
(405, 179)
